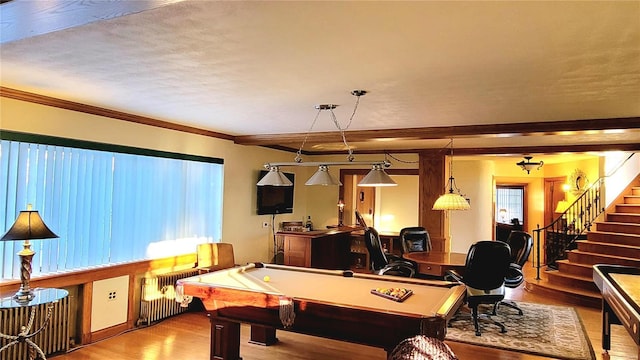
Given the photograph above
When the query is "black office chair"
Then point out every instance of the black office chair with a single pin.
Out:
(382, 263)
(520, 243)
(415, 239)
(484, 276)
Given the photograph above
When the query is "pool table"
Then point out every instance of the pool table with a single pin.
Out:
(620, 288)
(335, 304)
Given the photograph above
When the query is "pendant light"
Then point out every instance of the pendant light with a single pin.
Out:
(377, 177)
(451, 200)
(528, 165)
(274, 178)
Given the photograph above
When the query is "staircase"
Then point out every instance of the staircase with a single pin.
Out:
(615, 240)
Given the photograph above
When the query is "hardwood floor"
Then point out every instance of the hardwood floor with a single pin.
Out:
(186, 336)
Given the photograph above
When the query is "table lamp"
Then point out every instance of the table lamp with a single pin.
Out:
(28, 226)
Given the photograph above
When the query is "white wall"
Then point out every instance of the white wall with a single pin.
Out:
(475, 180)
(397, 206)
(621, 178)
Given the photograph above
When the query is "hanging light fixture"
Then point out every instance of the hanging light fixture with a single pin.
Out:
(323, 177)
(451, 200)
(275, 178)
(376, 177)
(528, 165)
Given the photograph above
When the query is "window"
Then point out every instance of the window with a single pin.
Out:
(108, 204)
(509, 204)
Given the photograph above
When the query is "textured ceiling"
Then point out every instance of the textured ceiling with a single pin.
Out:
(254, 68)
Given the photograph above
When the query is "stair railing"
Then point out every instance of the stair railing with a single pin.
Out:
(576, 220)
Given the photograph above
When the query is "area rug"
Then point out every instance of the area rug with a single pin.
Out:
(545, 330)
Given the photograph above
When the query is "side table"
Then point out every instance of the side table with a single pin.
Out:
(42, 296)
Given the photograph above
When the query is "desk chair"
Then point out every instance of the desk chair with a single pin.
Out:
(415, 239)
(520, 243)
(382, 263)
(485, 271)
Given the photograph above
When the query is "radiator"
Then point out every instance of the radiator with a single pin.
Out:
(157, 301)
(54, 338)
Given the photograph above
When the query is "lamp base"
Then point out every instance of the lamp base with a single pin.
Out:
(24, 296)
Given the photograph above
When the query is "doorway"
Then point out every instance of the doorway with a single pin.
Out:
(510, 209)
(553, 193)
(387, 208)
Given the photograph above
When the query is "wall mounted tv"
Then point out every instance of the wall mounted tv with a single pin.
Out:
(275, 199)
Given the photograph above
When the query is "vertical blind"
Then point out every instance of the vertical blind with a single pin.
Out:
(107, 207)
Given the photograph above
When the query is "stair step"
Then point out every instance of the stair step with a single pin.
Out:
(575, 296)
(618, 227)
(614, 238)
(577, 256)
(632, 199)
(628, 208)
(574, 281)
(635, 190)
(624, 217)
(577, 269)
(609, 249)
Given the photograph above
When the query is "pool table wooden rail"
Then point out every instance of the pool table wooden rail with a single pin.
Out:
(385, 328)
(619, 303)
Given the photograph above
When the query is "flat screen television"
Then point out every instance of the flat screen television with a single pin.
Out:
(275, 199)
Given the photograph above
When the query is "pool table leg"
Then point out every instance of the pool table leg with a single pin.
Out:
(225, 339)
(606, 326)
(263, 335)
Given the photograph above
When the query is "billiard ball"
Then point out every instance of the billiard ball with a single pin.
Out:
(266, 278)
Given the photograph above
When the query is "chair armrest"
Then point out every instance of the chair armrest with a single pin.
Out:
(514, 276)
(401, 268)
(393, 258)
(515, 266)
(452, 275)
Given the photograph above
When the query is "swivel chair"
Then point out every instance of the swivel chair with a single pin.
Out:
(382, 263)
(415, 239)
(520, 243)
(484, 276)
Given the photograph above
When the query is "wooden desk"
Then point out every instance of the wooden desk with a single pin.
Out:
(322, 249)
(325, 303)
(436, 263)
(620, 288)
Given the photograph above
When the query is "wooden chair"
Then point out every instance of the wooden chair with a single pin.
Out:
(215, 256)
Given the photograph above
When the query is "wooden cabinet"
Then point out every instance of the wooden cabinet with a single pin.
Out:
(322, 249)
(359, 254)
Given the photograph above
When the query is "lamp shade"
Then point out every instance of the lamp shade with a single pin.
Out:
(28, 226)
(451, 201)
(323, 177)
(274, 178)
(562, 206)
(377, 177)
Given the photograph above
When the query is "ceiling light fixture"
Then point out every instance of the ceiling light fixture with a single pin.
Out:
(376, 177)
(528, 165)
(451, 200)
